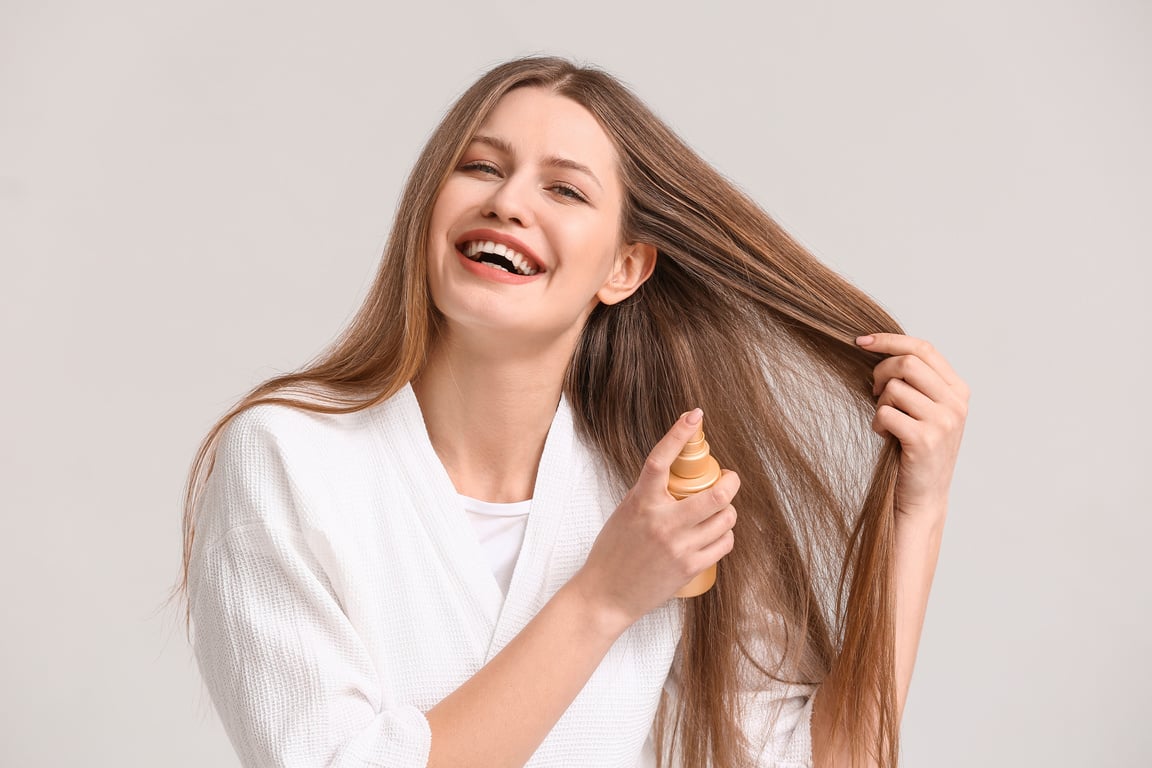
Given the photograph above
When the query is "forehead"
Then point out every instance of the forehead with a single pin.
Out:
(538, 123)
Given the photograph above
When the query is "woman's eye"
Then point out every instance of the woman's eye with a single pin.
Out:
(569, 191)
(481, 166)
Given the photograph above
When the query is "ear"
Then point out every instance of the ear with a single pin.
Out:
(634, 265)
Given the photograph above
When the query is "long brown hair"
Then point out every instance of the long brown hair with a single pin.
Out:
(737, 318)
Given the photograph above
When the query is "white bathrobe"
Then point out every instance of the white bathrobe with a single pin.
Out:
(338, 592)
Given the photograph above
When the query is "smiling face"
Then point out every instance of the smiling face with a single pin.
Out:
(524, 237)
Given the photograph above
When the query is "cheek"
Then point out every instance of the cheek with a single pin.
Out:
(448, 204)
(594, 238)
(437, 223)
(602, 254)
(444, 214)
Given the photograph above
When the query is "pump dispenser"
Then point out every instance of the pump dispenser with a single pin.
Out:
(693, 471)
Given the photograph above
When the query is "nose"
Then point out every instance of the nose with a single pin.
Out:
(510, 201)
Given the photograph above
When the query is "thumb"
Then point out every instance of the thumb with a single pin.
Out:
(654, 475)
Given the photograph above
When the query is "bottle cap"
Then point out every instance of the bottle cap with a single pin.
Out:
(694, 470)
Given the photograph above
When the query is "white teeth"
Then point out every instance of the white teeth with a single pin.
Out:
(474, 247)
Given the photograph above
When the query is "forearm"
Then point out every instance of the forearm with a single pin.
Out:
(501, 715)
(917, 551)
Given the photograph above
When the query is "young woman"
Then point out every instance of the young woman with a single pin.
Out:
(449, 542)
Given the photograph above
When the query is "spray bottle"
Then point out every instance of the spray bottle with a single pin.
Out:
(693, 471)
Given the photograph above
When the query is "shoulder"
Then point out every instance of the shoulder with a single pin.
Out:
(253, 447)
(279, 464)
(276, 432)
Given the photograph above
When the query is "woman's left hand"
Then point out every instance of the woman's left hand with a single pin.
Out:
(922, 403)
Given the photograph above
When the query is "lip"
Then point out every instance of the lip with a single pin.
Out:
(492, 274)
(505, 239)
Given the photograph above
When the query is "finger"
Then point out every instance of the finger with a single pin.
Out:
(894, 422)
(904, 397)
(713, 527)
(700, 507)
(914, 371)
(654, 475)
(899, 344)
(711, 554)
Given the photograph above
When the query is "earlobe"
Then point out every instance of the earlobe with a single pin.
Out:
(634, 265)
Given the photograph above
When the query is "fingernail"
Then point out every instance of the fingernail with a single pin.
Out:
(864, 341)
(694, 416)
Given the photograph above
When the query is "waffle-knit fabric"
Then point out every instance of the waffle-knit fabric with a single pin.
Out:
(338, 592)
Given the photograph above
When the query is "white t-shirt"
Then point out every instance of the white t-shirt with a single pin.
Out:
(500, 528)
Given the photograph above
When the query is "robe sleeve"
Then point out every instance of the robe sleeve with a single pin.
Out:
(292, 681)
(775, 717)
(777, 721)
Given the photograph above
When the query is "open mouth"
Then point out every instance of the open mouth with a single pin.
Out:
(498, 256)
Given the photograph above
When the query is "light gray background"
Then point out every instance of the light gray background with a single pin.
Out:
(193, 197)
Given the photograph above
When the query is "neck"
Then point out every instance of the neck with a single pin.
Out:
(488, 412)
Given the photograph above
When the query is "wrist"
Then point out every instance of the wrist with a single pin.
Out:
(919, 536)
(923, 514)
(596, 614)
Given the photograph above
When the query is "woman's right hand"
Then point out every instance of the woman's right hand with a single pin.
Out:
(653, 544)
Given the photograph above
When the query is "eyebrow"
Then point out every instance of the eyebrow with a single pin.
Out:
(552, 161)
